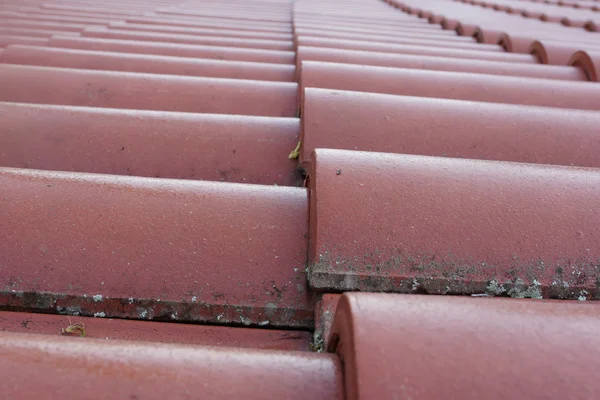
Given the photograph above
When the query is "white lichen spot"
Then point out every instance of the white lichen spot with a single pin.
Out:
(143, 314)
(219, 317)
(583, 295)
(174, 316)
(194, 299)
(97, 297)
(415, 284)
(520, 292)
(245, 321)
(130, 300)
(270, 309)
(318, 344)
(350, 282)
(264, 323)
(99, 314)
(494, 288)
(561, 283)
(73, 310)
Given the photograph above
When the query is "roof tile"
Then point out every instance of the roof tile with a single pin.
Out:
(154, 248)
(456, 153)
(108, 89)
(450, 85)
(120, 329)
(37, 365)
(233, 148)
(449, 128)
(416, 224)
(427, 347)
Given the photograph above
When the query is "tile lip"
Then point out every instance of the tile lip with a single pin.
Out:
(154, 113)
(151, 183)
(142, 75)
(160, 332)
(150, 57)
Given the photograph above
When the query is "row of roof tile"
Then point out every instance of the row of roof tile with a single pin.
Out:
(383, 345)
(434, 162)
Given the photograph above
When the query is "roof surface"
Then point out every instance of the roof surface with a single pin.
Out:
(192, 193)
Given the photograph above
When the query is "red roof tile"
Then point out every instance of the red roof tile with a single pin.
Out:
(450, 158)
(148, 248)
(311, 49)
(450, 85)
(119, 329)
(589, 62)
(151, 64)
(430, 347)
(108, 89)
(416, 224)
(443, 63)
(173, 49)
(6, 40)
(233, 148)
(36, 365)
(449, 128)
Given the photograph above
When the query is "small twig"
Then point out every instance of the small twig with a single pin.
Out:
(296, 152)
(74, 329)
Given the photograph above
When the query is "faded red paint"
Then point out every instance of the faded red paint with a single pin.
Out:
(118, 329)
(449, 128)
(61, 86)
(416, 224)
(35, 365)
(229, 148)
(432, 347)
(154, 248)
